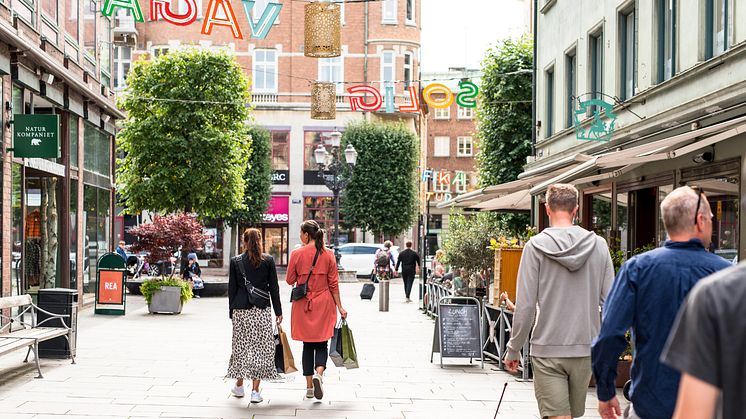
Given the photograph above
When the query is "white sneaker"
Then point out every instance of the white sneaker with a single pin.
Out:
(256, 397)
(318, 388)
(237, 391)
(309, 393)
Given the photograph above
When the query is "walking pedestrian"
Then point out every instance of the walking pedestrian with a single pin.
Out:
(646, 295)
(409, 260)
(568, 271)
(384, 262)
(314, 316)
(253, 346)
(193, 274)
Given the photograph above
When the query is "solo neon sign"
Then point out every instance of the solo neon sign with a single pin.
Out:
(465, 99)
(160, 10)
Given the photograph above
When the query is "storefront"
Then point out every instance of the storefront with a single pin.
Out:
(274, 230)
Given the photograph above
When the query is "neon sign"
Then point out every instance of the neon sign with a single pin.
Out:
(464, 99)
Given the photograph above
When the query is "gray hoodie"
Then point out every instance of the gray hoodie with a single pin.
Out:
(568, 272)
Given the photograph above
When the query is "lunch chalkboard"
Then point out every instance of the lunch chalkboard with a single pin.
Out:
(459, 331)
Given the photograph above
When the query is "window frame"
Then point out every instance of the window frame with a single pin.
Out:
(326, 62)
(465, 113)
(459, 188)
(571, 86)
(183, 8)
(666, 37)
(413, 20)
(596, 66)
(467, 140)
(286, 145)
(549, 78)
(441, 187)
(410, 67)
(394, 5)
(628, 51)
(445, 113)
(447, 152)
(384, 81)
(710, 39)
(254, 63)
(118, 76)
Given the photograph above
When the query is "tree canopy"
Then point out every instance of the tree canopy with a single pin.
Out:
(185, 141)
(258, 179)
(383, 194)
(467, 242)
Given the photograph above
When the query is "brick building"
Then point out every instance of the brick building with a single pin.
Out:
(449, 150)
(380, 48)
(56, 212)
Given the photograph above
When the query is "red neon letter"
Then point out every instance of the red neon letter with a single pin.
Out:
(357, 102)
(161, 8)
(415, 106)
(212, 19)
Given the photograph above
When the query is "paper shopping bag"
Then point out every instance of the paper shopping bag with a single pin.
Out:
(279, 357)
(335, 346)
(288, 360)
(349, 354)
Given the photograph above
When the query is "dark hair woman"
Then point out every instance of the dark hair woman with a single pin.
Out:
(253, 348)
(314, 316)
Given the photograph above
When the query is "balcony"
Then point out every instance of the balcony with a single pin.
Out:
(125, 25)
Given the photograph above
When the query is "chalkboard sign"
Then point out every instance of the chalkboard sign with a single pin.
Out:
(459, 331)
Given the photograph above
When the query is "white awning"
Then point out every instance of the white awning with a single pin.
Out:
(566, 176)
(516, 201)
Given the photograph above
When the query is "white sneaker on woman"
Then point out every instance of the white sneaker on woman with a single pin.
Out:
(309, 393)
(256, 397)
(318, 388)
(237, 391)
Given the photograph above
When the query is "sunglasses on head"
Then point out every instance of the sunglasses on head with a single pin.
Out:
(699, 191)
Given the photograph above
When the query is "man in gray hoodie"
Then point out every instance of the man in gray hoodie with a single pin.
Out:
(565, 272)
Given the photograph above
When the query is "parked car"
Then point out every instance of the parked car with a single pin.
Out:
(361, 257)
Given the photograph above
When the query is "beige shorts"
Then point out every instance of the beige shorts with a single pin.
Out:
(561, 384)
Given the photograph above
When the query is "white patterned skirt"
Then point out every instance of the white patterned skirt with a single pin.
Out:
(253, 353)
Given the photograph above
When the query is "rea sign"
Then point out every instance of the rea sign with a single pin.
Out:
(277, 211)
(110, 287)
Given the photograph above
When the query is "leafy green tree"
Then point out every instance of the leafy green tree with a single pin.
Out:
(467, 242)
(185, 140)
(258, 179)
(383, 194)
(504, 118)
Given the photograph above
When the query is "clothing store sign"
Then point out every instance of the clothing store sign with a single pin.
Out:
(36, 136)
(278, 210)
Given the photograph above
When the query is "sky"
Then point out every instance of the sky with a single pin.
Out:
(465, 30)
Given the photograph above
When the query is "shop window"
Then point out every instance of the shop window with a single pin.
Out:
(280, 150)
(41, 232)
(16, 237)
(723, 196)
(211, 253)
(600, 220)
(331, 70)
(321, 209)
(663, 192)
(622, 217)
(73, 140)
(666, 11)
(96, 150)
(265, 71)
(73, 234)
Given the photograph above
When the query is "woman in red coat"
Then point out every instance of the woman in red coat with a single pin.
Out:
(314, 316)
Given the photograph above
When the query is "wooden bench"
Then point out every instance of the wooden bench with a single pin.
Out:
(30, 334)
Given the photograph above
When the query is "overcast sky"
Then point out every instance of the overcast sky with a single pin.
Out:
(459, 32)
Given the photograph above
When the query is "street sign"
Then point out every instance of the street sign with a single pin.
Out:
(112, 275)
(36, 136)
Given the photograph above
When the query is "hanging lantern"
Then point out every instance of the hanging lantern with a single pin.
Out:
(322, 27)
(323, 100)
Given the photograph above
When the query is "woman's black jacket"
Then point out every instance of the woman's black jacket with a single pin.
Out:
(264, 278)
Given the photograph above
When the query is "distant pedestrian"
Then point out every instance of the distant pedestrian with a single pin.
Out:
(409, 260)
(568, 271)
(707, 345)
(121, 251)
(646, 295)
(384, 262)
(193, 274)
(314, 316)
(253, 347)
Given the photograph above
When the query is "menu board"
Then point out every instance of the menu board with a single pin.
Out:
(459, 331)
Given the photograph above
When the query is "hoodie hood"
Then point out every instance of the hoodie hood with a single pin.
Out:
(569, 246)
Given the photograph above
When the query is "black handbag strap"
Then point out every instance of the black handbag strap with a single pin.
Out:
(239, 262)
(312, 266)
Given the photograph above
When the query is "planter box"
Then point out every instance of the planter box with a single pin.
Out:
(506, 273)
(166, 300)
(622, 374)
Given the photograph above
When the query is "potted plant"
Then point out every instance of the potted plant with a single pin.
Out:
(161, 238)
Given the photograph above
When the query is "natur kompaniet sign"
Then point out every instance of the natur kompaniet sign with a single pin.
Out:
(36, 136)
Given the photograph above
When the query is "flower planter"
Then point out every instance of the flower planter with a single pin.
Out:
(622, 374)
(167, 300)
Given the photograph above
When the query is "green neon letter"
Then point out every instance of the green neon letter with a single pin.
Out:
(109, 6)
(466, 99)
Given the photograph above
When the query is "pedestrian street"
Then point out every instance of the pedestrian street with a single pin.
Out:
(172, 366)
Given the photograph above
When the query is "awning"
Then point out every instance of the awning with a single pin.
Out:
(565, 177)
(516, 201)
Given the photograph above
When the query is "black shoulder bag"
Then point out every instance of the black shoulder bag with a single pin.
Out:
(301, 290)
(258, 298)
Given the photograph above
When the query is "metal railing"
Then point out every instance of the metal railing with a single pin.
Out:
(435, 291)
(498, 323)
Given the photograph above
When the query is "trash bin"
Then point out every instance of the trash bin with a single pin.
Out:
(61, 301)
(383, 295)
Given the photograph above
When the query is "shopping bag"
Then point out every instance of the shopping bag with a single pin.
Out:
(198, 283)
(279, 356)
(287, 355)
(335, 346)
(349, 354)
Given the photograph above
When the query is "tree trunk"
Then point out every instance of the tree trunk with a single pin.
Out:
(49, 232)
(234, 239)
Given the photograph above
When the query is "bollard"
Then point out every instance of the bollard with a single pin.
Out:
(383, 295)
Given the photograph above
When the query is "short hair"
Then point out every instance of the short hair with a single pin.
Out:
(122, 243)
(678, 209)
(409, 243)
(562, 197)
(387, 243)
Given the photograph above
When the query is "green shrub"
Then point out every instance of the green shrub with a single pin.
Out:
(151, 285)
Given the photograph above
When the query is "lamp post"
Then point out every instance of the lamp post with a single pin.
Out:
(336, 184)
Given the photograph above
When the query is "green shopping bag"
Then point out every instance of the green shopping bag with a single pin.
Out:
(349, 354)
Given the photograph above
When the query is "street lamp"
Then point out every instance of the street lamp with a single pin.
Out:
(335, 182)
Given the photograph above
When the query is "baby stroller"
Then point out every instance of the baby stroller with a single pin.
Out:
(134, 267)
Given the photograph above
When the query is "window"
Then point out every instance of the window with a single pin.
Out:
(321, 209)
(341, 10)
(49, 20)
(389, 10)
(461, 188)
(410, 11)
(89, 30)
(596, 49)
(158, 51)
(259, 7)
(105, 45)
(571, 77)
(719, 32)
(183, 7)
(442, 187)
(442, 147)
(312, 139)
(387, 71)
(96, 150)
(280, 150)
(122, 63)
(442, 113)
(49, 8)
(71, 20)
(332, 70)
(465, 113)
(265, 70)
(464, 146)
(666, 39)
(73, 141)
(550, 102)
(407, 70)
(627, 36)
(26, 10)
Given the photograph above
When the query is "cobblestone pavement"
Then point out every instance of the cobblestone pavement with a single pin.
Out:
(162, 366)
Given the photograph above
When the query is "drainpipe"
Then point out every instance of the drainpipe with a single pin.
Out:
(533, 103)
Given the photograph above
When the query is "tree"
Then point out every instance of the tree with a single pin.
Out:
(467, 242)
(383, 193)
(258, 180)
(504, 118)
(167, 235)
(185, 139)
